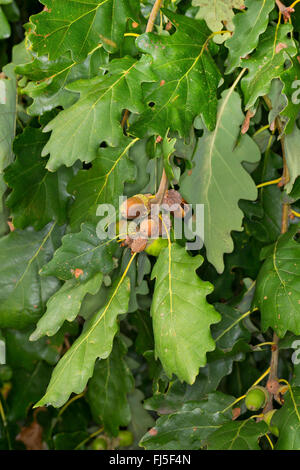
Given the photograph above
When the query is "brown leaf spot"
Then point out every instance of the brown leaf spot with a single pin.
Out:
(152, 432)
(162, 82)
(135, 24)
(107, 41)
(11, 226)
(280, 46)
(77, 273)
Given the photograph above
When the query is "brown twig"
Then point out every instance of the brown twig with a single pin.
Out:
(125, 117)
(154, 12)
(284, 228)
(286, 11)
(163, 186)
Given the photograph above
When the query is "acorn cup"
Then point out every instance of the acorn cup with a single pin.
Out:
(136, 206)
(256, 398)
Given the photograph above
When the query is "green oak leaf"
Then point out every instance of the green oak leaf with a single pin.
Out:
(96, 116)
(217, 15)
(287, 420)
(180, 313)
(20, 351)
(267, 63)
(82, 251)
(230, 329)
(168, 149)
(65, 305)
(141, 420)
(8, 103)
(219, 365)
(187, 79)
(219, 180)
(37, 196)
(23, 292)
(4, 25)
(140, 267)
(70, 440)
(248, 26)
(291, 144)
(291, 82)
(49, 78)
(96, 340)
(189, 427)
(11, 10)
(270, 196)
(107, 391)
(237, 435)
(28, 387)
(139, 156)
(101, 184)
(80, 25)
(295, 193)
(277, 286)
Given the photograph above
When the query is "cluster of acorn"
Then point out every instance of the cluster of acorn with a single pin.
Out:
(146, 233)
(257, 397)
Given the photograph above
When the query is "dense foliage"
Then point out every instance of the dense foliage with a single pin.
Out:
(120, 342)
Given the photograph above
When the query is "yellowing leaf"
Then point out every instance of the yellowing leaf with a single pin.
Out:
(218, 14)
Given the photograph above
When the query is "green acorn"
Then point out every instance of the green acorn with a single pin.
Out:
(99, 444)
(256, 398)
(125, 439)
(154, 247)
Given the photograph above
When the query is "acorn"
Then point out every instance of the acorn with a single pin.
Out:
(99, 444)
(135, 206)
(154, 247)
(149, 228)
(267, 419)
(256, 398)
(125, 438)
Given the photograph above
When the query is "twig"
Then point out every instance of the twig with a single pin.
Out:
(286, 11)
(153, 14)
(284, 229)
(163, 186)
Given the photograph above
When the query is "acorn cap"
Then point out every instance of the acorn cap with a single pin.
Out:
(135, 206)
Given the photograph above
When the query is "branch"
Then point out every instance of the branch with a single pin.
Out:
(284, 229)
(153, 14)
(163, 186)
(286, 11)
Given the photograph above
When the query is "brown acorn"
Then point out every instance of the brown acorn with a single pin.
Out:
(135, 206)
(149, 228)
